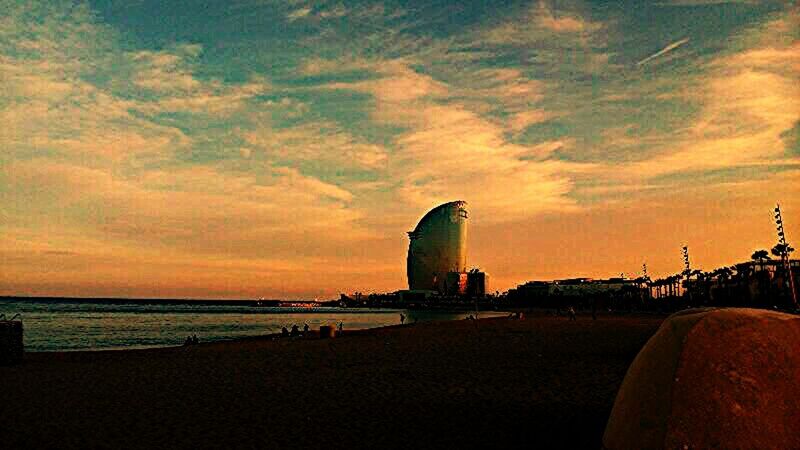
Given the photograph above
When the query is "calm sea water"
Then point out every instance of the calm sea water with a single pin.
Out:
(69, 325)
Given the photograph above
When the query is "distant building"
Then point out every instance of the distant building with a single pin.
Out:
(415, 296)
(587, 286)
(438, 246)
(455, 283)
(567, 291)
(476, 283)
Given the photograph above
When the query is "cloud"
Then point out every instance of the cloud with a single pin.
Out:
(451, 152)
(317, 66)
(47, 111)
(105, 160)
(320, 142)
(546, 17)
(772, 59)
(298, 14)
(747, 102)
(542, 23)
(165, 72)
(507, 89)
(167, 75)
(295, 180)
(522, 120)
(473, 162)
(316, 143)
(396, 83)
(199, 210)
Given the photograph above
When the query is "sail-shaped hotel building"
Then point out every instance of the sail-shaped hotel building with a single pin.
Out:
(438, 247)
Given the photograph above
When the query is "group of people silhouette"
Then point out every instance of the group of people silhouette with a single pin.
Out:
(295, 330)
(191, 340)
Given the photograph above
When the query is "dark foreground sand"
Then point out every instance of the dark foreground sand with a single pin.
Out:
(539, 383)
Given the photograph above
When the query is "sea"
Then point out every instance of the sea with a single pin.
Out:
(72, 324)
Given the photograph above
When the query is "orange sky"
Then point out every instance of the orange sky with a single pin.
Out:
(205, 159)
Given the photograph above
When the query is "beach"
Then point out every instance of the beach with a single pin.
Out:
(540, 382)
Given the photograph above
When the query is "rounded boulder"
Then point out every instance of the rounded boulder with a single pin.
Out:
(712, 378)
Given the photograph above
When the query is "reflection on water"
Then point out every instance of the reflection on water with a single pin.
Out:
(52, 325)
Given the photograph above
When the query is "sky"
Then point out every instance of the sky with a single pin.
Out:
(282, 149)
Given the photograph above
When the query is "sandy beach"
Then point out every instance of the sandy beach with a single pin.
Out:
(542, 382)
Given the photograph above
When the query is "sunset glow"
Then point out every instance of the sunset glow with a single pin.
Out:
(282, 149)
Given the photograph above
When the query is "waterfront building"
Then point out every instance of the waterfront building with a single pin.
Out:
(438, 246)
(476, 283)
(576, 291)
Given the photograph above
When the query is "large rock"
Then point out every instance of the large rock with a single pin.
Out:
(712, 378)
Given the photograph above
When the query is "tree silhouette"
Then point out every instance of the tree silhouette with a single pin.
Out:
(723, 274)
(782, 250)
(760, 256)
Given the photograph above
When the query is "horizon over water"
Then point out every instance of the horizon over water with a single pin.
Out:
(53, 324)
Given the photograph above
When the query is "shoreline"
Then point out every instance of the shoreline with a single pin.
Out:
(314, 334)
(39, 338)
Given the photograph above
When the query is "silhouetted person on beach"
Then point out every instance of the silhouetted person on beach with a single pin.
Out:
(188, 341)
(402, 318)
(195, 340)
(284, 332)
(305, 328)
(295, 330)
(341, 326)
(571, 312)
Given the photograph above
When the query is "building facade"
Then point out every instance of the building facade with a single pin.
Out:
(438, 246)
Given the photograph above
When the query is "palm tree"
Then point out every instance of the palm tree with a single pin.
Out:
(723, 275)
(674, 285)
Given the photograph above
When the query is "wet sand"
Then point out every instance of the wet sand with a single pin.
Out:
(543, 382)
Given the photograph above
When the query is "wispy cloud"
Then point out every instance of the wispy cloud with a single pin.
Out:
(298, 14)
(452, 152)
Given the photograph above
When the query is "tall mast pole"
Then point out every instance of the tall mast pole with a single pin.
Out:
(787, 265)
(687, 270)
